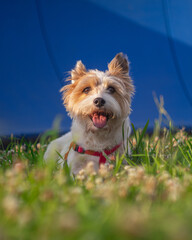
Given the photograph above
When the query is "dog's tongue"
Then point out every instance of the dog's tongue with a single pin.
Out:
(99, 120)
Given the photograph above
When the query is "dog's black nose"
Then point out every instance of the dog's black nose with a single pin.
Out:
(99, 102)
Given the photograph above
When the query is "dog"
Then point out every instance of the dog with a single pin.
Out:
(99, 104)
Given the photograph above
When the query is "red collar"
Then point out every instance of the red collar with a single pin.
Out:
(102, 158)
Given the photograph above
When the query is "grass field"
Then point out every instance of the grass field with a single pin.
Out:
(150, 198)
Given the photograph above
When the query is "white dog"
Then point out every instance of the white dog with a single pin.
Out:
(99, 104)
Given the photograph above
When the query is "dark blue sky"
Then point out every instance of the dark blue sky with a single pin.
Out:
(40, 41)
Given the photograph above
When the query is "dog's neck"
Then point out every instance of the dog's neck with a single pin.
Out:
(98, 139)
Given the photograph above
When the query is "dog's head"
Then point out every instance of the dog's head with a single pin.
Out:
(99, 98)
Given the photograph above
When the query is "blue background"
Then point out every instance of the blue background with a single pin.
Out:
(40, 41)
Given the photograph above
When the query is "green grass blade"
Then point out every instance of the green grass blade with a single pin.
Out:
(142, 134)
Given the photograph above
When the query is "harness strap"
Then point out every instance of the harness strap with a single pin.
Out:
(67, 153)
(79, 149)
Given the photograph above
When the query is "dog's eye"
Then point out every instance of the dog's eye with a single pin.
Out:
(86, 90)
(111, 89)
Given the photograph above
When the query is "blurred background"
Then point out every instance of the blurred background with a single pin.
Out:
(41, 40)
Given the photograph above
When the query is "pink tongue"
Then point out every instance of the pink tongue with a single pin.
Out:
(99, 121)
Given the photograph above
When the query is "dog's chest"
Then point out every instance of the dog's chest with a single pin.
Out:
(78, 161)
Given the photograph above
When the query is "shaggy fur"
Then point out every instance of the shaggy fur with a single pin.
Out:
(99, 104)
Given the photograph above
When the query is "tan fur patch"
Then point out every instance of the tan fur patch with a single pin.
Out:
(78, 71)
(119, 67)
(74, 91)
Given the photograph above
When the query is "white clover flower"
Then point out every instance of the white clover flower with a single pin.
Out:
(10, 205)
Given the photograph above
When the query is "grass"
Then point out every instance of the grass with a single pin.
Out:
(149, 198)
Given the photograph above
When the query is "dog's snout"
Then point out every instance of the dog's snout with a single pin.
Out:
(99, 102)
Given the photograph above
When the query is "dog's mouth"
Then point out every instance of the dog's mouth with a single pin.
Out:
(100, 118)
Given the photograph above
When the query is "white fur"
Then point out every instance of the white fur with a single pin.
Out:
(88, 141)
(85, 134)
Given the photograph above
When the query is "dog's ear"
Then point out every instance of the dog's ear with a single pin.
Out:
(78, 71)
(119, 65)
